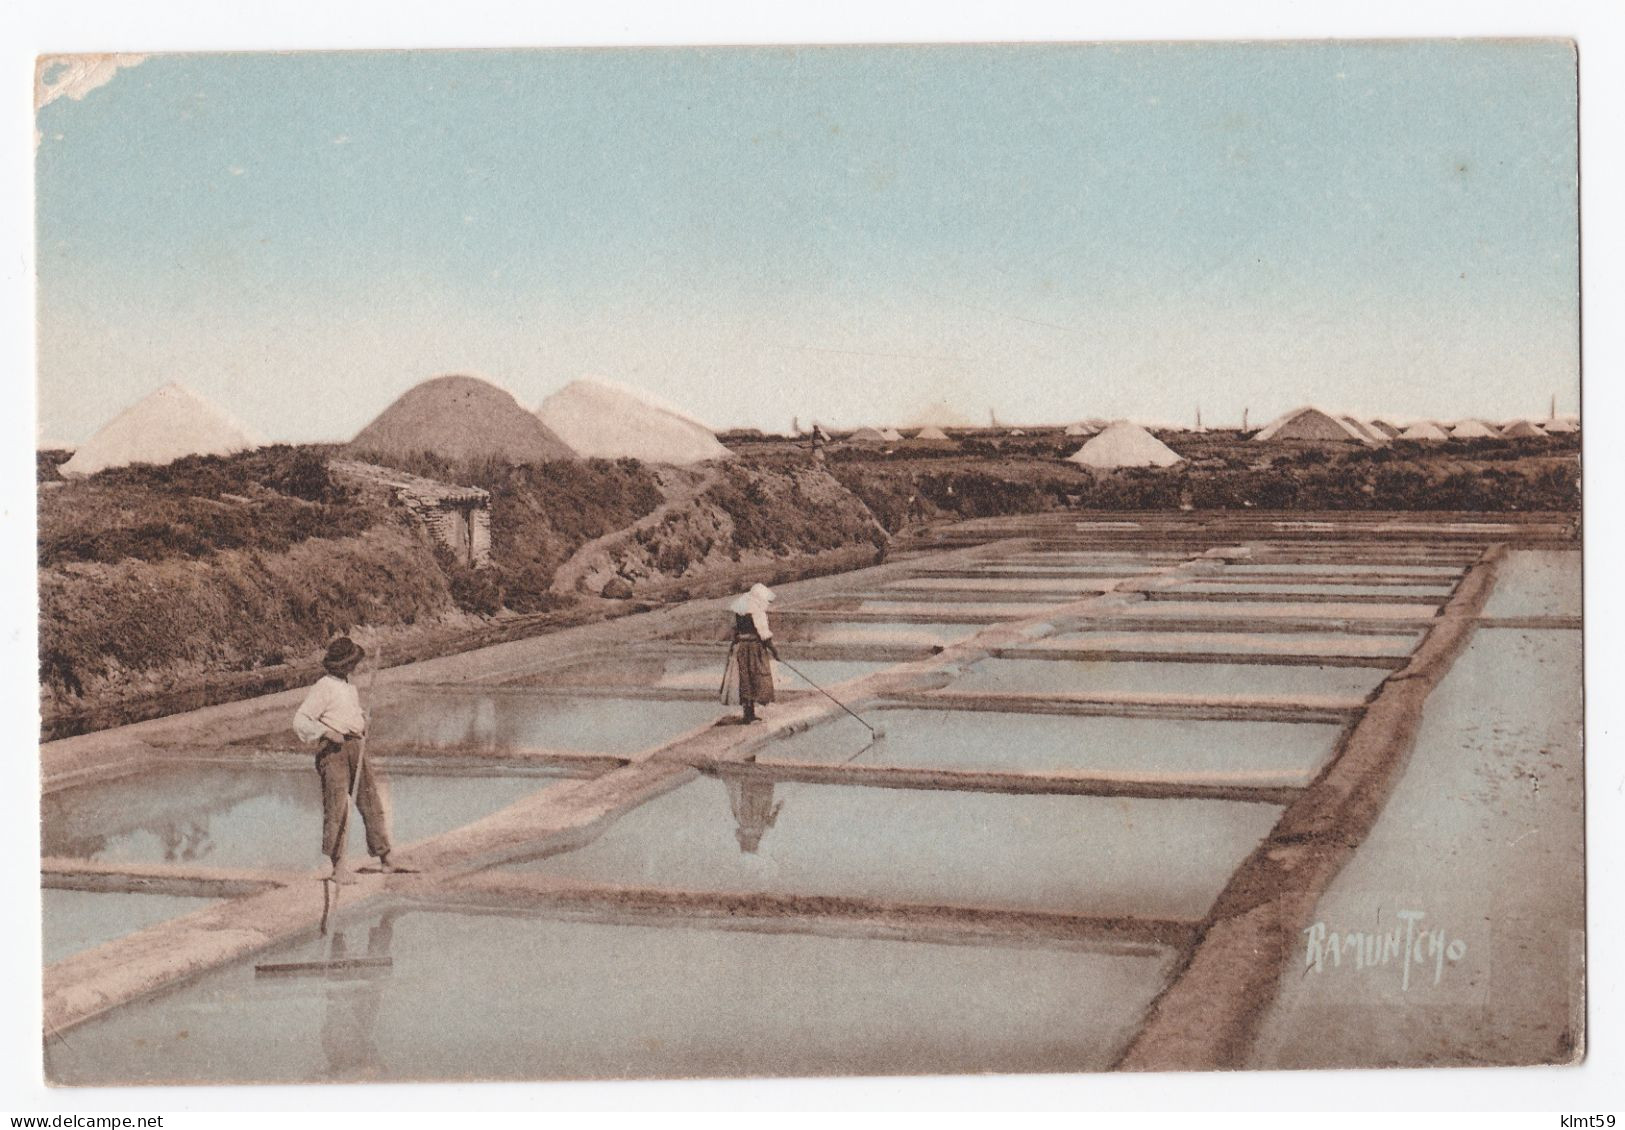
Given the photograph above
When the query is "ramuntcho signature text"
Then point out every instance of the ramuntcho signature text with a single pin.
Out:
(1406, 945)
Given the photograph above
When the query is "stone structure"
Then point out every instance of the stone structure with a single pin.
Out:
(457, 517)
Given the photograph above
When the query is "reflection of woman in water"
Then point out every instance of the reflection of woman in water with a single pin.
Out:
(753, 809)
(748, 679)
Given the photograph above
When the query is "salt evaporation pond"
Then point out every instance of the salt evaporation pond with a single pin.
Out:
(506, 995)
(1262, 591)
(1022, 585)
(1234, 753)
(1065, 854)
(223, 816)
(1062, 572)
(1007, 610)
(1261, 643)
(1218, 681)
(1244, 567)
(1279, 609)
(1537, 583)
(878, 633)
(1503, 730)
(512, 720)
(75, 921)
(684, 672)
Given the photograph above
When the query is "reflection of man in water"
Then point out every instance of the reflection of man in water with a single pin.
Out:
(350, 1022)
(753, 809)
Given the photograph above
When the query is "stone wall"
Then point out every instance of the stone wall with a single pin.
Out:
(456, 517)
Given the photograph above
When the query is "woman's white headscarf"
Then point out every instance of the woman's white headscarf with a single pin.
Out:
(754, 601)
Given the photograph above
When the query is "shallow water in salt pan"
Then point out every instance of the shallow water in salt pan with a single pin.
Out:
(222, 816)
(1242, 753)
(1068, 854)
(509, 995)
(1537, 583)
(1328, 568)
(509, 719)
(686, 672)
(1219, 584)
(1272, 643)
(76, 921)
(1278, 609)
(998, 584)
(1206, 680)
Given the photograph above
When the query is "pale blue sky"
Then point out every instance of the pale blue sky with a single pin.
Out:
(839, 233)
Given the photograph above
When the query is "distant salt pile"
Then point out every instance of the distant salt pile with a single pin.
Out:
(1369, 431)
(161, 427)
(1472, 429)
(867, 435)
(1125, 445)
(1080, 429)
(460, 417)
(1423, 430)
(890, 435)
(1559, 426)
(1312, 425)
(1521, 429)
(932, 433)
(609, 421)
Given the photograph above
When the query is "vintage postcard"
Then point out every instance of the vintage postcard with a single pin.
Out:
(799, 561)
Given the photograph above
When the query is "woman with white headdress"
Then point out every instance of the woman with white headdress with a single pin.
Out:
(748, 679)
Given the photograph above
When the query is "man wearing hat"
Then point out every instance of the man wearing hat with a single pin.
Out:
(331, 717)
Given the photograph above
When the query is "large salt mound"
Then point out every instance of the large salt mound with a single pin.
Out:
(161, 427)
(600, 419)
(1472, 429)
(1312, 424)
(460, 418)
(1125, 445)
(1521, 429)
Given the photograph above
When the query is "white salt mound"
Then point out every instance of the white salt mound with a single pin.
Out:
(1423, 430)
(1521, 429)
(1472, 429)
(931, 433)
(165, 425)
(1125, 445)
(608, 421)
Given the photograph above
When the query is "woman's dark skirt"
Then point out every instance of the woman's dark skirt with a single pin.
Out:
(749, 677)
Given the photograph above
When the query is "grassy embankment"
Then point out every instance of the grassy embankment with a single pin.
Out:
(212, 579)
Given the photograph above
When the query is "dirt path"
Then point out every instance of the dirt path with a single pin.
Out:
(569, 574)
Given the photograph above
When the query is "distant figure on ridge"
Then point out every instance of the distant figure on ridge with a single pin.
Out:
(332, 718)
(748, 678)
